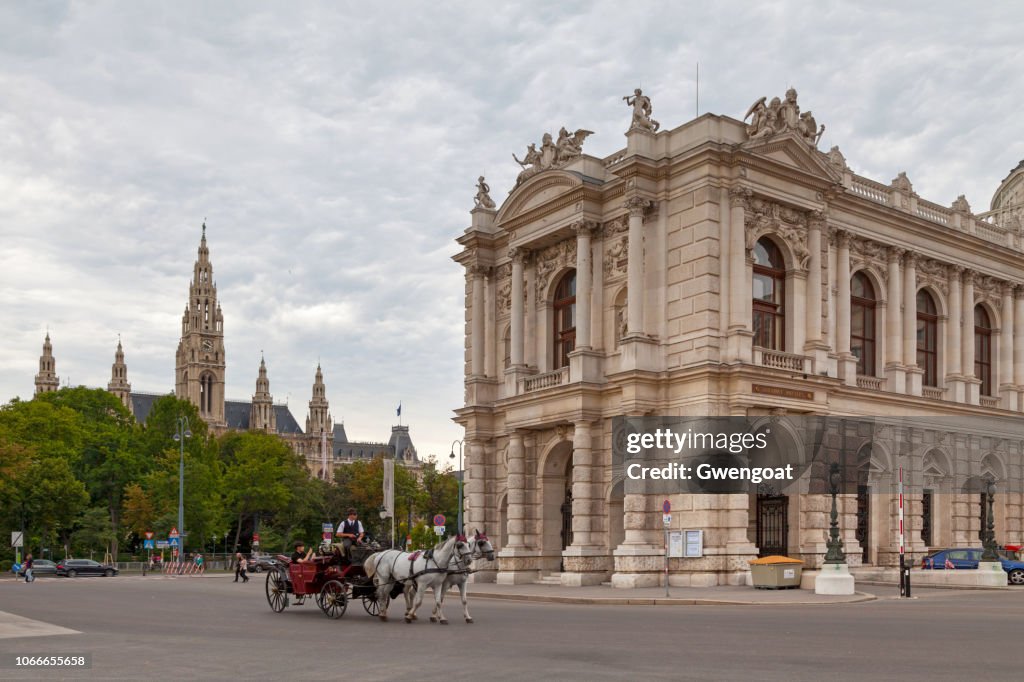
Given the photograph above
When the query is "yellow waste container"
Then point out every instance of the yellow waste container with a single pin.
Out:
(776, 572)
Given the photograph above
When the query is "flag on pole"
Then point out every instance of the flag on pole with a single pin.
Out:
(398, 412)
(389, 486)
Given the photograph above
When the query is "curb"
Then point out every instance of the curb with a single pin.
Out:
(659, 601)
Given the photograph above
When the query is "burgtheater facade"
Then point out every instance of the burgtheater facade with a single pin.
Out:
(730, 268)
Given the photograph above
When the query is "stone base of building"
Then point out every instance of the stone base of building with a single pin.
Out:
(519, 566)
(834, 579)
(585, 566)
(643, 566)
(484, 571)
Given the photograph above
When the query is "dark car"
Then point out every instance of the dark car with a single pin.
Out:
(262, 562)
(41, 567)
(968, 558)
(76, 567)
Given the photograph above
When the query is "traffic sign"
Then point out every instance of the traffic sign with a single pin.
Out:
(328, 531)
(17, 539)
(148, 544)
(439, 529)
(666, 507)
(256, 539)
(172, 542)
(149, 534)
(439, 519)
(162, 544)
(173, 533)
(666, 519)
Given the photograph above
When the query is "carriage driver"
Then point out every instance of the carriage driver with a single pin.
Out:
(351, 531)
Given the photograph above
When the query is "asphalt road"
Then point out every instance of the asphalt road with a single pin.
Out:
(211, 628)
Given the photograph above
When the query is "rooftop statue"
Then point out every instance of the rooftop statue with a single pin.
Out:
(780, 116)
(642, 111)
(483, 195)
(551, 154)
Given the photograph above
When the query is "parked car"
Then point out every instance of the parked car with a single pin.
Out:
(262, 562)
(968, 558)
(76, 567)
(41, 567)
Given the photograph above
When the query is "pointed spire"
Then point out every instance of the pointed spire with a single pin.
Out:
(47, 380)
(119, 385)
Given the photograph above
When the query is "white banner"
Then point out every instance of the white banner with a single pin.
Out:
(389, 486)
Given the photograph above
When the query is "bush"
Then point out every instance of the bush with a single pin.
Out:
(5, 565)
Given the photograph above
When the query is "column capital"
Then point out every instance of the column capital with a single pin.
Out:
(910, 259)
(519, 255)
(740, 196)
(1018, 291)
(1006, 289)
(585, 228)
(969, 276)
(956, 272)
(816, 219)
(479, 270)
(895, 254)
(638, 205)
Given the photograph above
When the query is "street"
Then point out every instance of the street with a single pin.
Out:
(212, 628)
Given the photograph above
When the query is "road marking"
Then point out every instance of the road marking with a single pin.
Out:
(12, 626)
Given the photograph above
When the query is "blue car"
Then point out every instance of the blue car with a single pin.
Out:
(966, 557)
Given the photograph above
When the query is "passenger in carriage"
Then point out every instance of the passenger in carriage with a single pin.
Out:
(300, 554)
(351, 531)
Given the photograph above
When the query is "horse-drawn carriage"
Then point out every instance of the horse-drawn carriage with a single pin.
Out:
(330, 579)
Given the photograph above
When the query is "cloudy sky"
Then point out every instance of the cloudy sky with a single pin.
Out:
(333, 149)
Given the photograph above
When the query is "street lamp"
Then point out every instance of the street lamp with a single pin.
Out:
(180, 435)
(383, 515)
(835, 554)
(989, 543)
(462, 475)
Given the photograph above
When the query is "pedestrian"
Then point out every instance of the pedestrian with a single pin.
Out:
(243, 565)
(199, 563)
(238, 565)
(28, 568)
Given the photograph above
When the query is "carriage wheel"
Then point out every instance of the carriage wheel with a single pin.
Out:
(332, 599)
(371, 605)
(277, 591)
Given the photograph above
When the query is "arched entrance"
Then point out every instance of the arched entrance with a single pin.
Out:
(555, 478)
(616, 521)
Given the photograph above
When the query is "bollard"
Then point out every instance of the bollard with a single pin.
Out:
(906, 582)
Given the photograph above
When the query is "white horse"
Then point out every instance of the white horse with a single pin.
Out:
(459, 576)
(417, 571)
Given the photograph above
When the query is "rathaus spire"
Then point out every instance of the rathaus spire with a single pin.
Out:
(261, 416)
(319, 415)
(200, 362)
(46, 380)
(119, 385)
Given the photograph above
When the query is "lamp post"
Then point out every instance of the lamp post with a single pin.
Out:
(383, 515)
(180, 435)
(989, 543)
(835, 554)
(462, 475)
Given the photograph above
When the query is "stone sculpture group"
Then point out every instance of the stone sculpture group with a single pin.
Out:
(551, 154)
(780, 116)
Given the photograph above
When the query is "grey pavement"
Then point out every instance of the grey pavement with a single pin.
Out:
(212, 628)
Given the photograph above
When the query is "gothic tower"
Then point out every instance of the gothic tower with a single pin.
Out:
(46, 380)
(119, 385)
(262, 417)
(200, 364)
(320, 429)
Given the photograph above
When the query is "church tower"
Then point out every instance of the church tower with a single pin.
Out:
(262, 417)
(320, 429)
(46, 380)
(119, 385)
(200, 364)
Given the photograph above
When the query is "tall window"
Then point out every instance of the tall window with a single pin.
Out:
(928, 338)
(862, 323)
(565, 318)
(927, 502)
(769, 296)
(983, 349)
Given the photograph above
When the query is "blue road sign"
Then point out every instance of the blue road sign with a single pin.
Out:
(148, 544)
(172, 542)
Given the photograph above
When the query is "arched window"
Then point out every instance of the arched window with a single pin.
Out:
(769, 296)
(565, 319)
(928, 338)
(983, 349)
(862, 323)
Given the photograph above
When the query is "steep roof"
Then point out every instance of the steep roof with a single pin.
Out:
(236, 412)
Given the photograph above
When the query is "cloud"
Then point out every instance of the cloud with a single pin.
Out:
(333, 150)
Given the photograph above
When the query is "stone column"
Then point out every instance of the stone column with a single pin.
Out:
(518, 256)
(1018, 342)
(894, 371)
(954, 378)
(973, 384)
(815, 343)
(585, 561)
(1007, 388)
(478, 272)
(740, 334)
(847, 361)
(584, 281)
(635, 268)
(914, 373)
(516, 491)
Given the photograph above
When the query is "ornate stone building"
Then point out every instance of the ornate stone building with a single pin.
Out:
(200, 371)
(725, 268)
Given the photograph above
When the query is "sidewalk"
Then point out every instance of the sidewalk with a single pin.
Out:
(655, 596)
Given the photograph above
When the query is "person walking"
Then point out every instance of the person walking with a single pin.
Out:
(28, 568)
(238, 565)
(242, 566)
